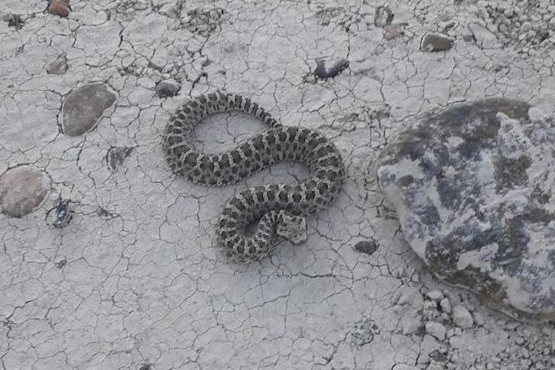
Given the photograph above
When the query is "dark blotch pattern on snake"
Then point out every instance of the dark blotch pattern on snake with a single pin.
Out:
(279, 209)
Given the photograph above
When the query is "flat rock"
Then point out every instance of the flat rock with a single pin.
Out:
(473, 187)
(83, 108)
(22, 190)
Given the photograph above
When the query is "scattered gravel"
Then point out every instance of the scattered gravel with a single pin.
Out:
(465, 340)
(527, 25)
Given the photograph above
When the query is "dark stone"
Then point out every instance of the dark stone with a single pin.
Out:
(366, 246)
(83, 108)
(435, 42)
(473, 188)
(166, 89)
(22, 190)
(145, 367)
(58, 66)
(324, 71)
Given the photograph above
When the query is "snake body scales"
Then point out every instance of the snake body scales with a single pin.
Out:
(279, 209)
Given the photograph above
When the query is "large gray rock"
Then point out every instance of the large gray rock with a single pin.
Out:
(473, 187)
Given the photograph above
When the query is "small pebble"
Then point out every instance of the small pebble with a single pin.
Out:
(393, 30)
(58, 66)
(59, 8)
(462, 318)
(435, 295)
(324, 70)
(366, 246)
(445, 305)
(436, 330)
(526, 26)
(166, 89)
(435, 42)
(478, 319)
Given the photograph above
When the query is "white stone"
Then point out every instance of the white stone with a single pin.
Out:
(445, 305)
(478, 319)
(436, 329)
(536, 114)
(462, 317)
(435, 295)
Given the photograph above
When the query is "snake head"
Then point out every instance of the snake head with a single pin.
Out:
(292, 228)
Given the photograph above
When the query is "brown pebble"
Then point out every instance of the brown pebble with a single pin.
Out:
(393, 30)
(59, 7)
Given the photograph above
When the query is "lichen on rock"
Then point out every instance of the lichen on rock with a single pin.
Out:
(473, 187)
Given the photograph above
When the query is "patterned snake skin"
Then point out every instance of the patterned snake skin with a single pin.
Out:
(279, 209)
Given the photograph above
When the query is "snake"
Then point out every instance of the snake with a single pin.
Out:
(275, 210)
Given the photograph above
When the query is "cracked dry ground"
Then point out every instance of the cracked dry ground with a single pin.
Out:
(134, 281)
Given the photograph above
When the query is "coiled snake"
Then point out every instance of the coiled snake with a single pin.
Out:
(280, 209)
